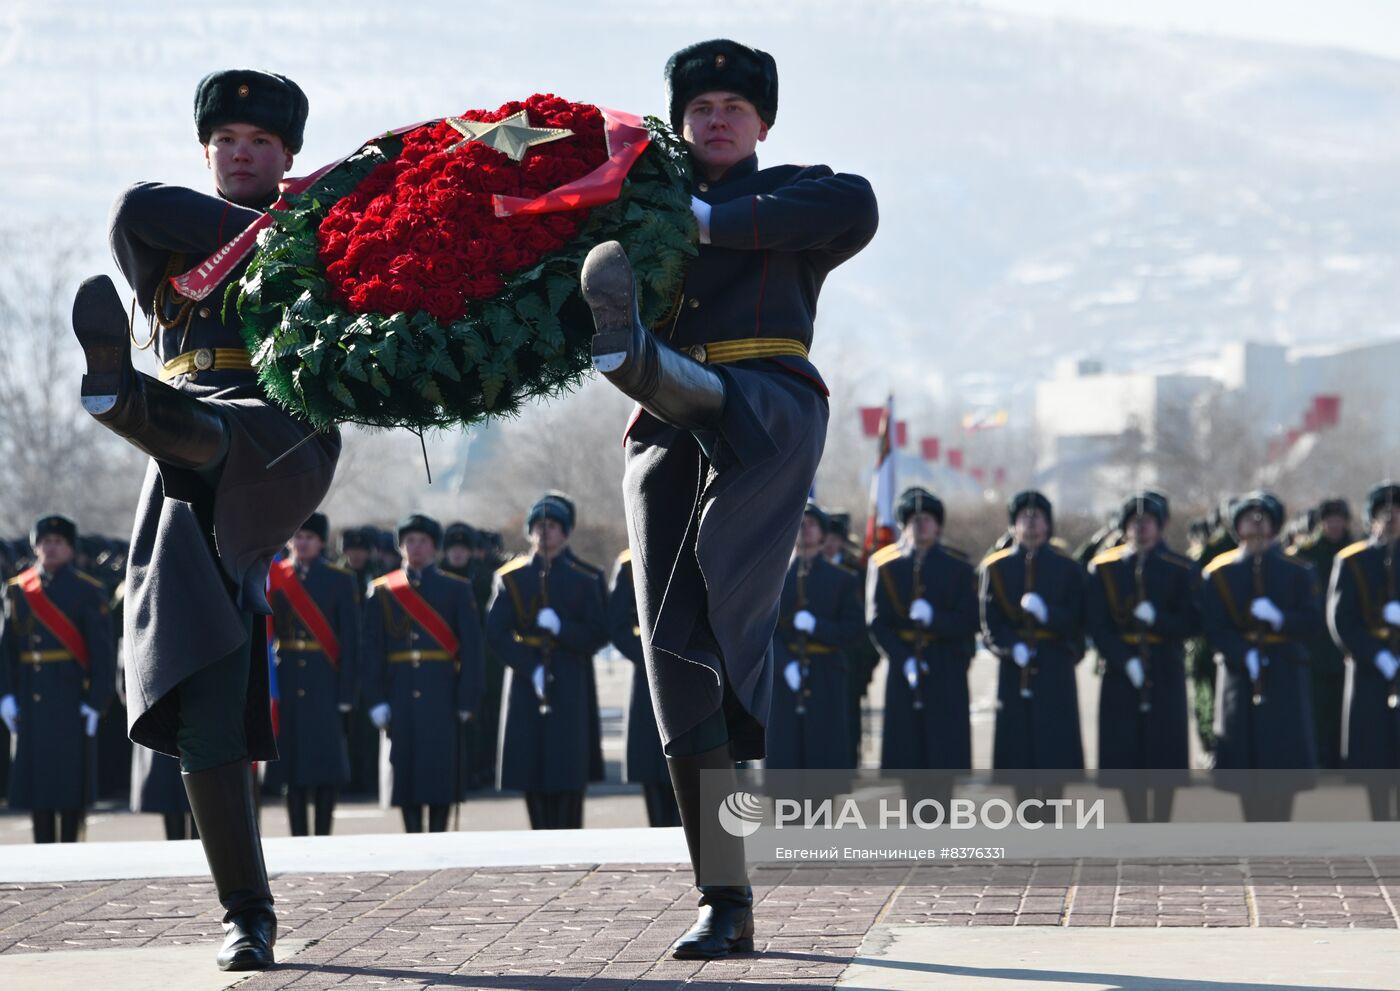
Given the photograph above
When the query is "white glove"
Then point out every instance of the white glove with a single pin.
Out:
(379, 715)
(804, 622)
(1021, 654)
(537, 679)
(792, 674)
(1136, 675)
(1391, 613)
(921, 612)
(701, 209)
(911, 672)
(548, 619)
(1146, 612)
(1387, 664)
(1265, 610)
(1251, 661)
(1032, 603)
(90, 715)
(345, 707)
(9, 712)
(464, 715)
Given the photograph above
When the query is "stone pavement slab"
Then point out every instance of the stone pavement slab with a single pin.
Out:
(165, 968)
(906, 958)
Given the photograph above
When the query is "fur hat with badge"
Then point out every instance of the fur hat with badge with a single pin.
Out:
(724, 66)
(251, 96)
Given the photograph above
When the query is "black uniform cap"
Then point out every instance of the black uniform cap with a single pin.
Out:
(356, 539)
(422, 524)
(916, 499)
(458, 535)
(251, 96)
(1029, 499)
(726, 66)
(552, 506)
(1333, 507)
(60, 525)
(1258, 501)
(1383, 495)
(1151, 503)
(818, 514)
(317, 524)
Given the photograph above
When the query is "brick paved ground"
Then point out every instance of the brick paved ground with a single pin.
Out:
(606, 928)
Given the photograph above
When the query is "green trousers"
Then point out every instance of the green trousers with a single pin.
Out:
(213, 702)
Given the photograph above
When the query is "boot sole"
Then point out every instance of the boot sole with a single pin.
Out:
(100, 324)
(608, 289)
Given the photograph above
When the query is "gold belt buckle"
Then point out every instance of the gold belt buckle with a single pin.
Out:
(415, 655)
(698, 352)
(204, 359)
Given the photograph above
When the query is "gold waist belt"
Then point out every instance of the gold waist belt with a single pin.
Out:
(45, 656)
(398, 656)
(1142, 638)
(207, 360)
(1267, 638)
(305, 646)
(812, 648)
(745, 349)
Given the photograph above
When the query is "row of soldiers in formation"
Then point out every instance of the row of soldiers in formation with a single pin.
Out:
(1295, 654)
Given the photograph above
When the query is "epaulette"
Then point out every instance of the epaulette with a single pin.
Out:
(1295, 562)
(956, 552)
(1058, 545)
(625, 557)
(379, 582)
(1109, 556)
(1351, 550)
(886, 554)
(1219, 561)
(996, 556)
(335, 567)
(514, 565)
(14, 581)
(584, 567)
(454, 577)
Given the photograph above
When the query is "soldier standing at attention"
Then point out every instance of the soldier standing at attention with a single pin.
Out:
(820, 616)
(1258, 608)
(57, 675)
(422, 659)
(645, 763)
(212, 513)
(547, 618)
(721, 455)
(1141, 605)
(1326, 660)
(921, 609)
(1032, 603)
(1363, 610)
(316, 621)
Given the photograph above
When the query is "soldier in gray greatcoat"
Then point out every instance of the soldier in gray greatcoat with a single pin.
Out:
(213, 510)
(57, 675)
(547, 618)
(721, 455)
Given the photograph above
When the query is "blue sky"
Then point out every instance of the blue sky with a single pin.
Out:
(1365, 25)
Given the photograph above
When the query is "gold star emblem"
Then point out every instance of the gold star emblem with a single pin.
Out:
(512, 136)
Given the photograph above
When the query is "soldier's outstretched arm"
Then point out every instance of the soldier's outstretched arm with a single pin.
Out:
(827, 212)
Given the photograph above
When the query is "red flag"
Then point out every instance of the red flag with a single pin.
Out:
(929, 448)
(879, 525)
(955, 458)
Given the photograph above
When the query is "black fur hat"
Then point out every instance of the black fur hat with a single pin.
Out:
(59, 525)
(422, 524)
(918, 500)
(318, 524)
(251, 96)
(724, 65)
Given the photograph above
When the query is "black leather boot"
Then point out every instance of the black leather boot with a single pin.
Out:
(222, 801)
(725, 923)
(158, 419)
(670, 386)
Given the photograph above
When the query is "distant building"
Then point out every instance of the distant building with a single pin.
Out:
(1100, 434)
